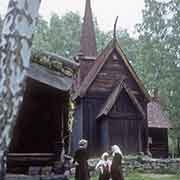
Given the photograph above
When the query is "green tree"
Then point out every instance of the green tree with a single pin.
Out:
(159, 53)
(41, 34)
(61, 35)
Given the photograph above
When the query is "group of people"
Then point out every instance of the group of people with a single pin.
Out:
(107, 169)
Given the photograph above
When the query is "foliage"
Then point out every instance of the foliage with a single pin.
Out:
(159, 54)
(60, 35)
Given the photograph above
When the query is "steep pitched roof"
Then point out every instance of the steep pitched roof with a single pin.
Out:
(111, 100)
(88, 37)
(156, 117)
(99, 63)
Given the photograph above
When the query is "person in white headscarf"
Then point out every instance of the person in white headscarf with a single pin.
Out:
(116, 149)
(104, 167)
(81, 159)
(116, 167)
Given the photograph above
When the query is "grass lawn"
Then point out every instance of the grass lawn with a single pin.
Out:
(138, 176)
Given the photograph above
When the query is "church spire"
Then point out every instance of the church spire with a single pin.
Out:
(88, 37)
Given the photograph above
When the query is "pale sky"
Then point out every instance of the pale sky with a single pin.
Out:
(129, 11)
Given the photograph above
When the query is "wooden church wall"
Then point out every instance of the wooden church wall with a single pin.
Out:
(77, 132)
(85, 66)
(125, 123)
(91, 108)
(121, 125)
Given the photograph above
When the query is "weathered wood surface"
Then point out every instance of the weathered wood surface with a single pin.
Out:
(88, 37)
(49, 77)
(111, 73)
(126, 111)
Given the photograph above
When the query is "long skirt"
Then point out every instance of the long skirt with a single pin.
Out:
(116, 174)
(104, 176)
(82, 172)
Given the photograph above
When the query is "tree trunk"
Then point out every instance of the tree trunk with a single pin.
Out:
(15, 50)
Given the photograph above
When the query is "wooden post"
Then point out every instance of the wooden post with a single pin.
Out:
(62, 151)
(178, 147)
(139, 138)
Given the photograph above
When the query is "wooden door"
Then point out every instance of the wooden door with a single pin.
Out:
(124, 132)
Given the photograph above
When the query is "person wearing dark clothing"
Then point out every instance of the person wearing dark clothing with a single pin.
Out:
(116, 167)
(81, 161)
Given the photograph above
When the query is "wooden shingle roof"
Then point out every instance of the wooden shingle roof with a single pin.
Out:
(156, 117)
(111, 100)
(99, 63)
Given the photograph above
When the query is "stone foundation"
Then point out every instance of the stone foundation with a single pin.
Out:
(137, 164)
(23, 177)
(148, 165)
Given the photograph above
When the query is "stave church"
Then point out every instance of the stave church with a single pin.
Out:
(112, 104)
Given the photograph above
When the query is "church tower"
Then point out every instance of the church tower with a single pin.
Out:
(88, 37)
(88, 50)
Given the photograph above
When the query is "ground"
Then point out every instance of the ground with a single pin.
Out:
(138, 176)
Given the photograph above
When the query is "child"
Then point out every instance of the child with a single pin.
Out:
(104, 167)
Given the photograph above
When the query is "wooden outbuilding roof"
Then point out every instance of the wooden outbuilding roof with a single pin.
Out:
(156, 117)
(52, 69)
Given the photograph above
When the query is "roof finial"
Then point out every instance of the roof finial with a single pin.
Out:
(115, 25)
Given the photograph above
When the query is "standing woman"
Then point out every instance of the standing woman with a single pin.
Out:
(81, 160)
(116, 167)
(104, 167)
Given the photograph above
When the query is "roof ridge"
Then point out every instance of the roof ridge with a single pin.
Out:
(132, 71)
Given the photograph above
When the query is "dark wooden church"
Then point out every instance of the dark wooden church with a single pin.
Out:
(111, 101)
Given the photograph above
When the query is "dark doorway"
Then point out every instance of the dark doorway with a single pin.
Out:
(41, 122)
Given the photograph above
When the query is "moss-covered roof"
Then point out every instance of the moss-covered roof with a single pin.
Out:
(54, 62)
